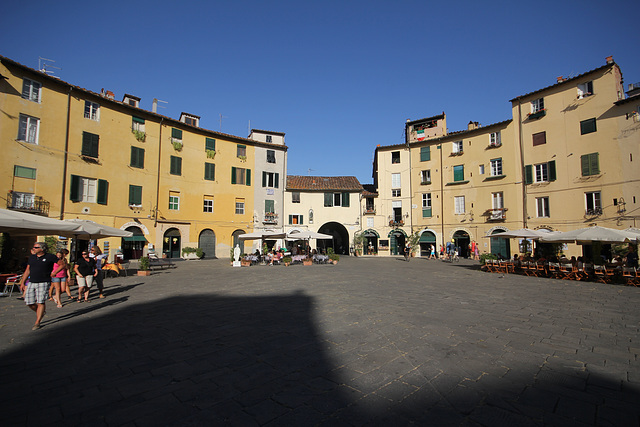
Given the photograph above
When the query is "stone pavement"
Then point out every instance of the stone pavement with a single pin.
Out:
(370, 341)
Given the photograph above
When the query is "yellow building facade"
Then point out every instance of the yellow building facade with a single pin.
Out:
(73, 153)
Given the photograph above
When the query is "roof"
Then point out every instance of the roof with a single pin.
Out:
(323, 183)
(611, 64)
(138, 110)
(270, 132)
(634, 98)
(438, 117)
(369, 190)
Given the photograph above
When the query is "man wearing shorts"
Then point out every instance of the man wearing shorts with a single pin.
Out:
(39, 268)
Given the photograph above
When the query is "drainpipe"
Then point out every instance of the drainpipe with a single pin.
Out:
(441, 195)
(406, 137)
(524, 185)
(66, 155)
(155, 219)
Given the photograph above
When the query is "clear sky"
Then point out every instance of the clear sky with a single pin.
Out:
(338, 77)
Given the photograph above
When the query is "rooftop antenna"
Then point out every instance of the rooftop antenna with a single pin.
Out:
(309, 171)
(222, 117)
(44, 67)
(154, 108)
(249, 129)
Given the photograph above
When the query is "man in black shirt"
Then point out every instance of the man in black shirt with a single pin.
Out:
(39, 268)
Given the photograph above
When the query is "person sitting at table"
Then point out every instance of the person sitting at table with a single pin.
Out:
(632, 257)
(516, 261)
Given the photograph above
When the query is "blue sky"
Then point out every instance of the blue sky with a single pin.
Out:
(338, 77)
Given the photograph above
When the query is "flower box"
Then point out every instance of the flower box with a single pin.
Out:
(537, 114)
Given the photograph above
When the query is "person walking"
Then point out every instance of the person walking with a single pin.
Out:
(59, 278)
(39, 268)
(99, 257)
(407, 250)
(85, 269)
(433, 252)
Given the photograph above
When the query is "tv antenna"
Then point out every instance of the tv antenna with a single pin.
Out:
(43, 65)
(154, 107)
(309, 171)
(222, 117)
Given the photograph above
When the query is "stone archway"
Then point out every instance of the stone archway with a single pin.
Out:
(207, 242)
(132, 247)
(500, 246)
(236, 240)
(397, 241)
(427, 239)
(171, 243)
(462, 240)
(340, 242)
(370, 245)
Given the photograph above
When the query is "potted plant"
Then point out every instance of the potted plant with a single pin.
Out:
(413, 241)
(144, 266)
(190, 253)
(286, 261)
(334, 258)
(140, 136)
(177, 145)
(359, 240)
(211, 154)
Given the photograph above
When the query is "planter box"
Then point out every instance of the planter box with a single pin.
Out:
(307, 262)
(245, 263)
(191, 255)
(144, 272)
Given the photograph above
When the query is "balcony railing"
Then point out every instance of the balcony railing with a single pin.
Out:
(369, 210)
(593, 212)
(496, 214)
(35, 204)
(393, 223)
(270, 218)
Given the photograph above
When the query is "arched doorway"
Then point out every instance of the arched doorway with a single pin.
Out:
(500, 246)
(371, 242)
(133, 246)
(340, 242)
(427, 238)
(462, 240)
(397, 241)
(207, 242)
(236, 240)
(171, 243)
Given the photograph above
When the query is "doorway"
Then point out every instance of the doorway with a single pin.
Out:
(500, 246)
(462, 240)
(207, 242)
(171, 243)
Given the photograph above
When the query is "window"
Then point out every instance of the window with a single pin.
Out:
(425, 177)
(193, 121)
(425, 154)
(269, 138)
(91, 110)
(174, 201)
(176, 166)
(241, 151)
(539, 138)
(23, 200)
(588, 126)
(239, 206)
(271, 156)
(369, 221)
(90, 144)
(337, 199)
(176, 135)
(240, 176)
(496, 167)
(296, 219)
(269, 206)
(585, 89)
(31, 90)
(457, 147)
(590, 164)
(209, 171)
(396, 192)
(537, 105)
(137, 124)
(137, 157)
(88, 190)
(593, 201)
(542, 172)
(397, 210)
(207, 204)
(270, 179)
(24, 172)
(135, 195)
(369, 205)
(28, 129)
(459, 204)
(458, 173)
(481, 169)
(295, 197)
(497, 200)
(395, 180)
(426, 205)
(542, 207)
(496, 139)
(395, 157)
(209, 144)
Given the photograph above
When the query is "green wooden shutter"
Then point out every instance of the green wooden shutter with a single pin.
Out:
(138, 120)
(528, 174)
(584, 165)
(345, 200)
(276, 179)
(594, 163)
(103, 191)
(552, 170)
(209, 144)
(301, 220)
(135, 195)
(248, 176)
(425, 154)
(290, 219)
(458, 173)
(426, 212)
(233, 175)
(90, 143)
(137, 157)
(176, 133)
(328, 199)
(75, 188)
(264, 179)
(209, 171)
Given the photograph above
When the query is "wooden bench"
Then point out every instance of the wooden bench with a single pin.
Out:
(154, 261)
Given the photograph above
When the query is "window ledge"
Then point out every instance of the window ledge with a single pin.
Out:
(495, 177)
(459, 153)
(457, 182)
(90, 159)
(425, 183)
(540, 184)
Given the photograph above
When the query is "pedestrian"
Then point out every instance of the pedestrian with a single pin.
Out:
(476, 251)
(59, 278)
(407, 249)
(99, 257)
(433, 252)
(85, 269)
(441, 251)
(632, 257)
(39, 268)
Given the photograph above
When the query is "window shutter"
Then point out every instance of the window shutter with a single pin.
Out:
(539, 138)
(209, 171)
(135, 195)
(138, 120)
(176, 133)
(90, 144)
(328, 199)
(584, 165)
(25, 89)
(209, 144)
(458, 173)
(264, 179)
(594, 163)
(233, 175)
(528, 174)
(103, 191)
(290, 219)
(75, 188)
(345, 200)
(248, 176)
(425, 154)
(426, 212)
(552, 170)
(301, 220)
(276, 179)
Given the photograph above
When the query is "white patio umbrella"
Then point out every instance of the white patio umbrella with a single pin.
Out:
(87, 230)
(20, 223)
(524, 233)
(591, 234)
(306, 235)
(263, 235)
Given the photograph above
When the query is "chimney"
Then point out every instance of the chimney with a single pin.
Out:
(560, 79)
(609, 59)
(154, 107)
(472, 125)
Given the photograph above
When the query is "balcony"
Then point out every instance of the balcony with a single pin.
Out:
(27, 203)
(537, 114)
(370, 210)
(425, 182)
(270, 218)
(496, 214)
(593, 212)
(393, 223)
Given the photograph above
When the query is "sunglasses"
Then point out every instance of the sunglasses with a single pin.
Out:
(36, 247)
(84, 253)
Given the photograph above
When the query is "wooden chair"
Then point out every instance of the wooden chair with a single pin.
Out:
(554, 270)
(602, 275)
(541, 269)
(528, 268)
(491, 266)
(566, 271)
(629, 274)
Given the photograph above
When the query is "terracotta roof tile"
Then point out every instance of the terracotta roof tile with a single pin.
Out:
(323, 183)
